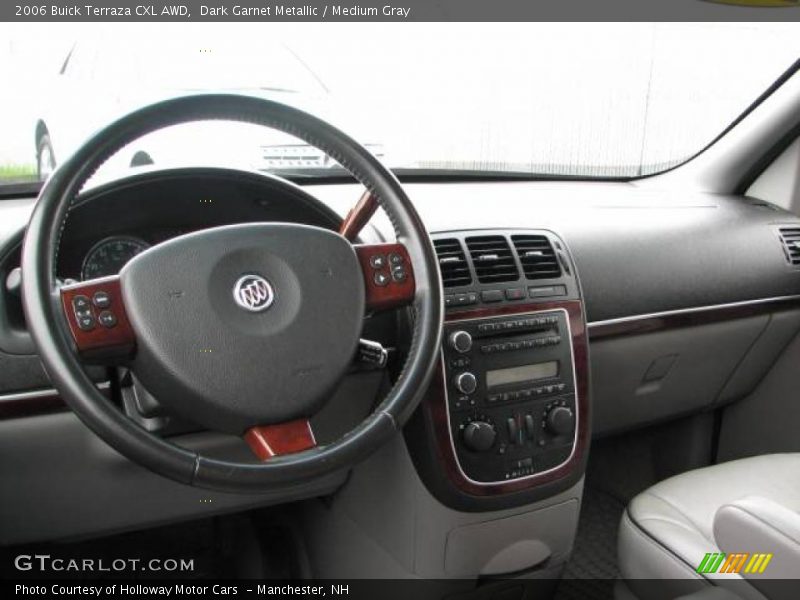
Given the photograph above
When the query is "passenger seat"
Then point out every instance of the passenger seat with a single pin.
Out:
(748, 507)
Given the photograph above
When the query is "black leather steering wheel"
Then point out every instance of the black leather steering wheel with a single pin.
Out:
(244, 329)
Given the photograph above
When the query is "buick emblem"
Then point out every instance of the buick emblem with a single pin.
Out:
(253, 293)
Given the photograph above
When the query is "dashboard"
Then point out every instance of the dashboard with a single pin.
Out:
(643, 309)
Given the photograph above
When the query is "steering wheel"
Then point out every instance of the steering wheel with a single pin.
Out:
(244, 329)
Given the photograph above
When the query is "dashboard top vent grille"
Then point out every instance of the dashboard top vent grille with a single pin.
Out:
(537, 256)
(452, 262)
(492, 258)
(790, 236)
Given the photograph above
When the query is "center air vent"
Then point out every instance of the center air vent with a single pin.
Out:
(537, 256)
(491, 255)
(452, 263)
(790, 236)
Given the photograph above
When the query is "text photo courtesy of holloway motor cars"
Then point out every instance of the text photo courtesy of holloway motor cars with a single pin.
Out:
(451, 300)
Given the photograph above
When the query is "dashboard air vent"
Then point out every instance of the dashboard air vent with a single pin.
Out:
(537, 257)
(452, 263)
(491, 255)
(790, 236)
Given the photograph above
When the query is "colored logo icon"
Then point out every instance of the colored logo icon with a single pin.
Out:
(737, 562)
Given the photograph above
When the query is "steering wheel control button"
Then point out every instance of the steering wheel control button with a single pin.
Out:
(101, 299)
(81, 303)
(381, 279)
(399, 274)
(395, 259)
(377, 261)
(253, 293)
(107, 319)
(86, 323)
(82, 314)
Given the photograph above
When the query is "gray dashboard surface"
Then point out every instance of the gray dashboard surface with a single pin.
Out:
(638, 250)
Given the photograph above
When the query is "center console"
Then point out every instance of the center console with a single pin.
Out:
(506, 421)
(510, 389)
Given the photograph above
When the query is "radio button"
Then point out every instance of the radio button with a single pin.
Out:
(466, 382)
(460, 362)
(479, 436)
(461, 341)
(530, 426)
(513, 430)
(560, 420)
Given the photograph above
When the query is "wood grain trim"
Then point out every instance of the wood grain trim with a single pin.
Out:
(359, 216)
(28, 404)
(394, 293)
(37, 402)
(284, 438)
(100, 342)
(691, 317)
(435, 406)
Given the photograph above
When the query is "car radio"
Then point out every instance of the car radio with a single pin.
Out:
(510, 393)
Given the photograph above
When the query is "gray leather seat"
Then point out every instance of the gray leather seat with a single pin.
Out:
(745, 506)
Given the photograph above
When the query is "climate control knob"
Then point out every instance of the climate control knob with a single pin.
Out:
(479, 436)
(461, 341)
(466, 382)
(560, 420)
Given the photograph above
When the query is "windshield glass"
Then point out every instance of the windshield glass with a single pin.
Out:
(594, 100)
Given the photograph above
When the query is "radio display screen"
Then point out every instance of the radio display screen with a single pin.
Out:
(521, 374)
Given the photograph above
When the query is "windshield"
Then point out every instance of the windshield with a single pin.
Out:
(594, 100)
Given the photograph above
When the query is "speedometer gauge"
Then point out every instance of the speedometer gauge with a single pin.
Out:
(108, 256)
